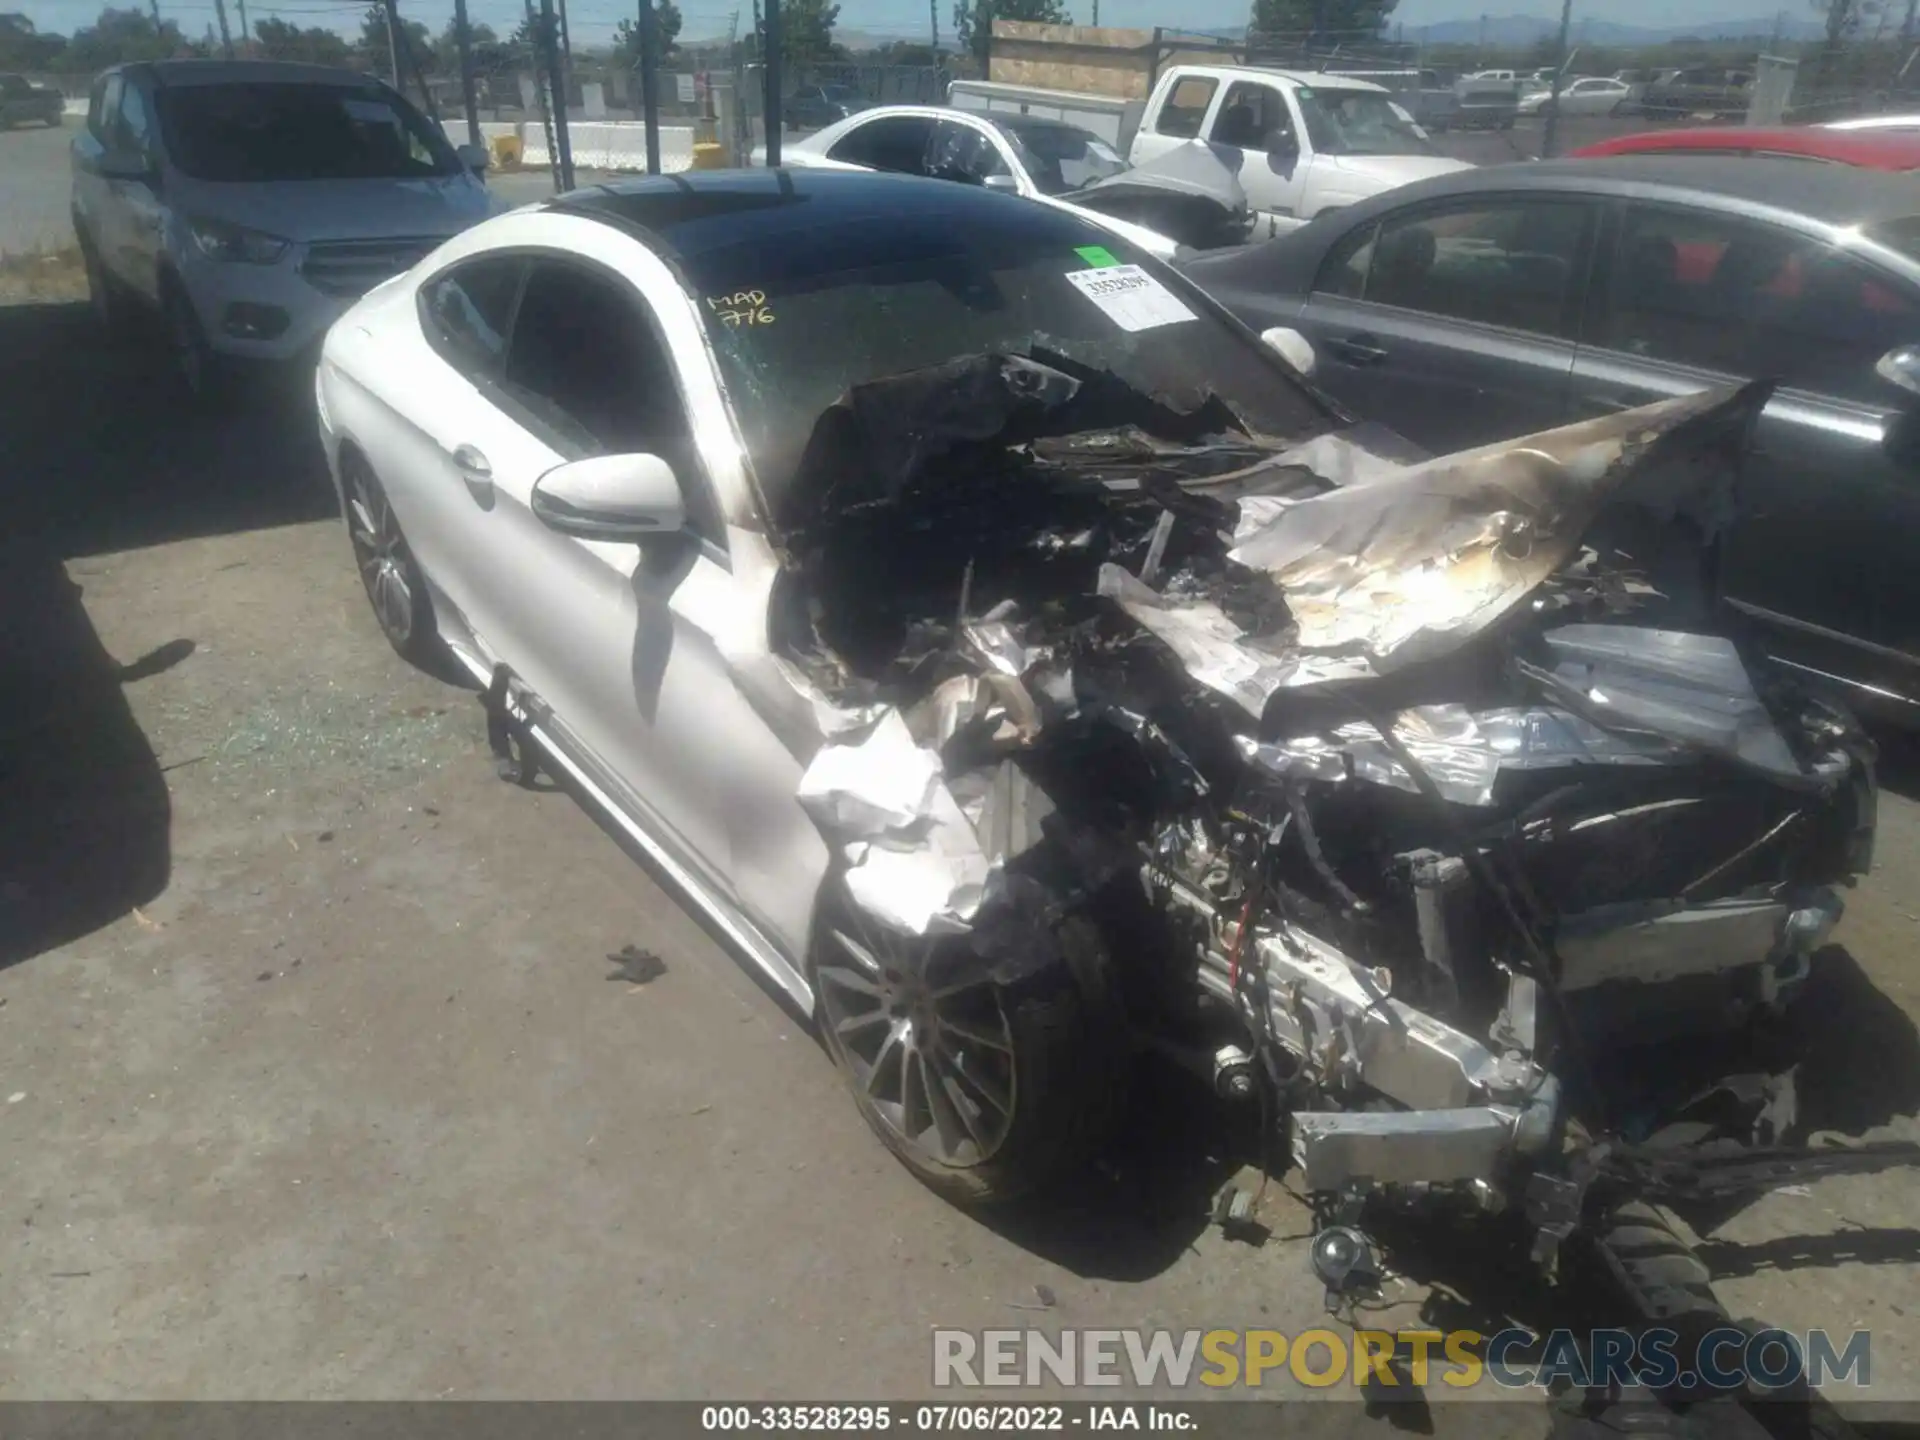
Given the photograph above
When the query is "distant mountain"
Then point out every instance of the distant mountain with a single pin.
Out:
(1511, 31)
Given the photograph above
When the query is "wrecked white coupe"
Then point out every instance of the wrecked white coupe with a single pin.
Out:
(1024, 668)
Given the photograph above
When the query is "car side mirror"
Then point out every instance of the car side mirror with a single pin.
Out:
(1004, 183)
(1292, 347)
(1283, 144)
(474, 157)
(1901, 366)
(618, 498)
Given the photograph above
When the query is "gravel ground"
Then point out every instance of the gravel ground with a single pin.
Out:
(322, 1080)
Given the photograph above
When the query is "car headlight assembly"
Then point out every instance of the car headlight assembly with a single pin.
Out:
(219, 240)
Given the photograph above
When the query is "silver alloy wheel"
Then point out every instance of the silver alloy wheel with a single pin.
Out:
(381, 551)
(934, 1058)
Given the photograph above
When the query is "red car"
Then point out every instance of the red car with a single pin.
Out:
(1869, 150)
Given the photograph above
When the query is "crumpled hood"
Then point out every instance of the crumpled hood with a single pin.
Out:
(306, 211)
(1191, 169)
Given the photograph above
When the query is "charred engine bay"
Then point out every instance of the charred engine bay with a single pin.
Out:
(1466, 731)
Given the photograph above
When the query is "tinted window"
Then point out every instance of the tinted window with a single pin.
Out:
(468, 312)
(1344, 271)
(255, 132)
(586, 363)
(1185, 107)
(893, 142)
(961, 152)
(1060, 157)
(1248, 115)
(15, 85)
(1747, 299)
(136, 121)
(1511, 263)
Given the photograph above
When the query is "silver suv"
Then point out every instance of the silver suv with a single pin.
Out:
(248, 203)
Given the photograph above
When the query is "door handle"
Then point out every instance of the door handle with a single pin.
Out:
(475, 470)
(1357, 349)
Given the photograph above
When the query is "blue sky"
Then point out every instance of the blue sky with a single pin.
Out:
(593, 20)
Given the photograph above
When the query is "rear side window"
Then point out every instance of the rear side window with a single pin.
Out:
(1344, 271)
(1511, 263)
(1185, 107)
(467, 314)
(893, 142)
(1746, 299)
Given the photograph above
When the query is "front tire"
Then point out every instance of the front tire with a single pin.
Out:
(987, 1092)
(197, 368)
(395, 586)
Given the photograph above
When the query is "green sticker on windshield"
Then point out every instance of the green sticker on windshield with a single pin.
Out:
(1097, 256)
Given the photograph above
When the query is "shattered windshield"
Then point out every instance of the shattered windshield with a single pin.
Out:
(799, 319)
(1061, 157)
(1361, 122)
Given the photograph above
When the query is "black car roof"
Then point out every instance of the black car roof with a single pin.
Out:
(1832, 195)
(700, 209)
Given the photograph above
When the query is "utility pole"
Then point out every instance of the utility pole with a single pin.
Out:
(1906, 25)
(463, 38)
(245, 35)
(540, 93)
(566, 57)
(154, 5)
(1096, 12)
(649, 83)
(770, 77)
(226, 38)
(550, 43)
(393, 45)
(1480, 54)
(1559, 78)
(933, 16)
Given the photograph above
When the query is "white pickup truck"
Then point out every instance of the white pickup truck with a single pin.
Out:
(1301, 144)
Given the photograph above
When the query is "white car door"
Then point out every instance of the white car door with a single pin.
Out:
(620, 641)
(1254, 131)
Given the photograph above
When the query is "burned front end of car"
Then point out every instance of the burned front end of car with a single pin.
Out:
(1427, 799)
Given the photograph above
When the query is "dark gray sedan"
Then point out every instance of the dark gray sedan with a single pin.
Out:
(1504, 300)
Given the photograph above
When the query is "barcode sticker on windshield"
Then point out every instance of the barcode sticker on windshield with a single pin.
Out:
(1133, 299)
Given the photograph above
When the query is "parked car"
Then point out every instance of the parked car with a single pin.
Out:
(1301, 143)
(1589, 95)
(1870, 149)
(1702, 90)
(1460, 310)
(855, 543)
(248, 203)
(24, 103)
(1045, 160)
(813, 106)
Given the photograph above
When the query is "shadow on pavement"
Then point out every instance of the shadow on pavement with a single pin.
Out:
(102, 452)
(84, 811)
